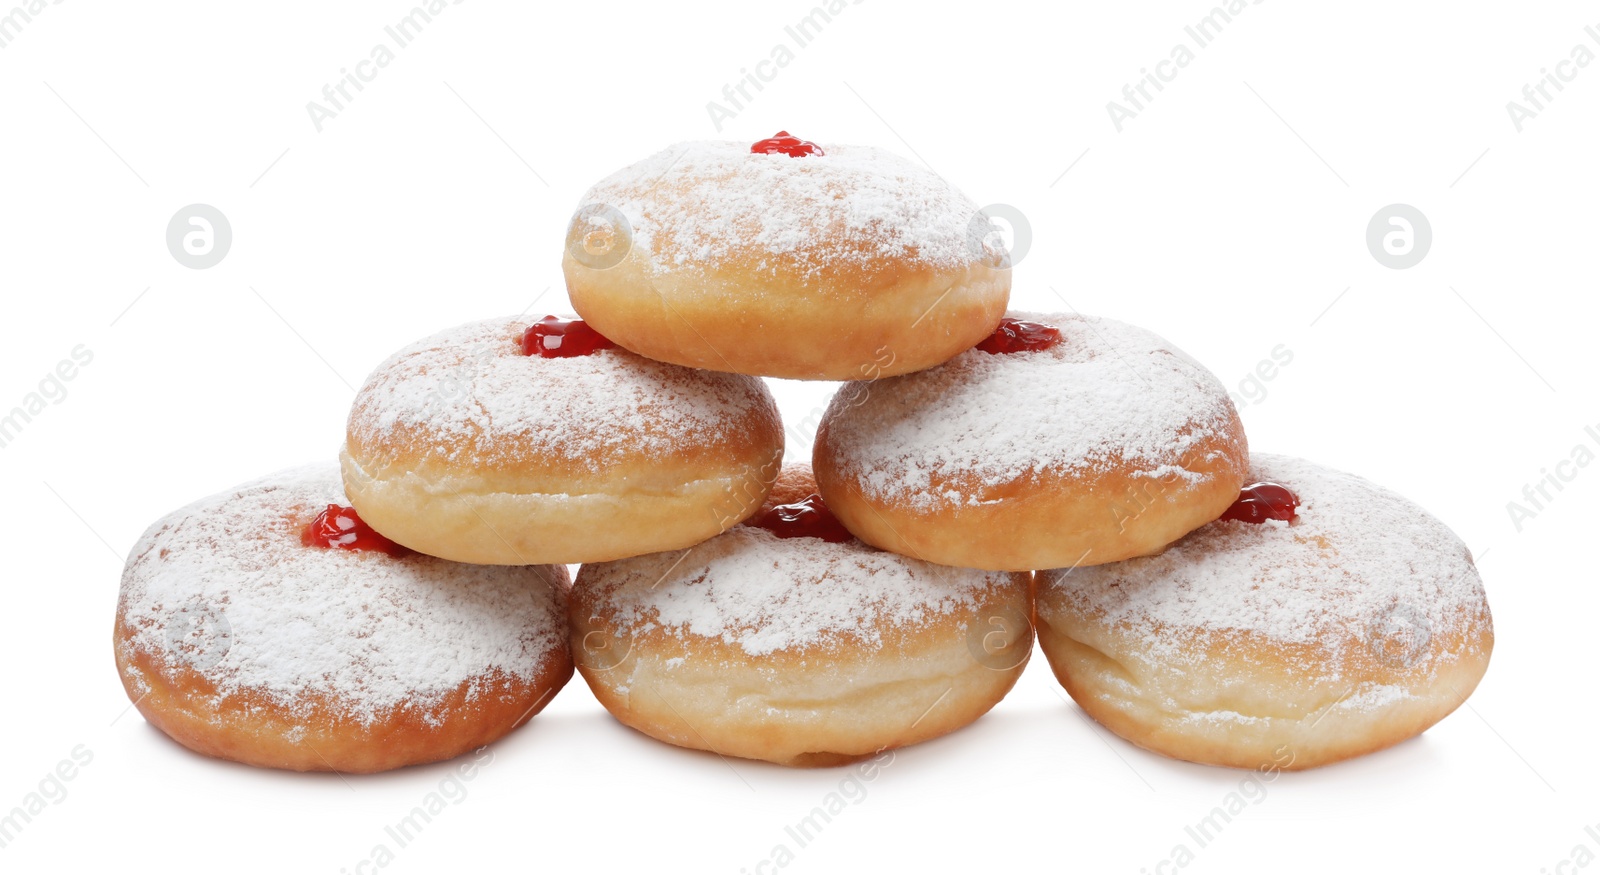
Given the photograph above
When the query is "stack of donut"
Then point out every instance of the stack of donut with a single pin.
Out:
(979, 475)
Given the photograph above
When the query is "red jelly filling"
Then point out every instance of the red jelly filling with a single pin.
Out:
(554, 338)
(1260, 502)
(1015, 335)
(338, 527)
(806, 518)
(787, 144)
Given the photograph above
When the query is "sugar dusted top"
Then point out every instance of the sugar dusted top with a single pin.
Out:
(696, 205)
(1106, 394)
(227, 586)
(1357, 563)
(472, 392)
(751, 589)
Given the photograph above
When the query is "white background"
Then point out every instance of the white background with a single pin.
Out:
(441, 194)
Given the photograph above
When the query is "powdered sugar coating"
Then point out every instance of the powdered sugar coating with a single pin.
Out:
(1107, 395)
(1360, 573)
(698, 205)
(470, 393)
(764, 594)
(226, 587)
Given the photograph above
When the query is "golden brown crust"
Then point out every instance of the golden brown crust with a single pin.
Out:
(242, 641)
(256, 731)
(829, 701)
(444, 456)
(1253, 706)
(476, 518)
(1047, 519)
(849, 326)
(1284, 644)
(834, 706)
(848, 265)
(1107, 444)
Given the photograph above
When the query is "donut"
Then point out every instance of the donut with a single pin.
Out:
(1321, 618)
(270, 626)
(522, 442)
(795, 483)
(773, 642)
(842, 263)
(1059, 440)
